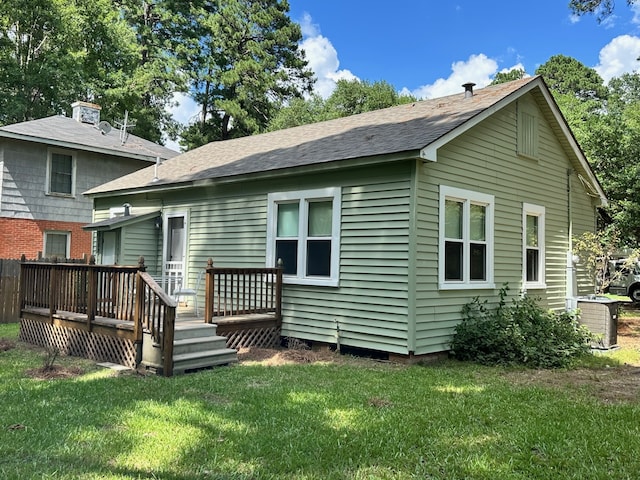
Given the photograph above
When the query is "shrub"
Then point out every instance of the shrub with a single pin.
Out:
(521, 333)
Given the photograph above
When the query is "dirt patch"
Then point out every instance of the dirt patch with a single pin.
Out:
(276, 357)
(6, 344)
(54, 372)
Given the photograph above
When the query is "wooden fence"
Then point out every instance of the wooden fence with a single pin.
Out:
(9, 291)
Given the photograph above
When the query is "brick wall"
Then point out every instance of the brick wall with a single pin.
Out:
(21, 236)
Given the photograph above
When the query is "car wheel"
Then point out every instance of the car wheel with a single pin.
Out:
(634, 294)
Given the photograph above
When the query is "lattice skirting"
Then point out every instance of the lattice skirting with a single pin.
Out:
(254, 337)
(79, 343)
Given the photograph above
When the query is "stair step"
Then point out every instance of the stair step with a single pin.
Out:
(194, 330)
(198, 344)
(209, 358)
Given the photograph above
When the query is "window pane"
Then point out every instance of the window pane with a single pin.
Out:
(288, 219)
(477, 223)
(453, 261)
(56, 245)
(320, 217)
(533, 257)
(532, 231)
(61, 173)
(319, 258)
(453, 219)
(478, 270)
(287, 250)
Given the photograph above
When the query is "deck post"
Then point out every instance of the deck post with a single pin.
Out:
(138, 312)
(23, 283)
(53, 287)
(208, 292)
(92, 291)
(278, 305)
(167, 341)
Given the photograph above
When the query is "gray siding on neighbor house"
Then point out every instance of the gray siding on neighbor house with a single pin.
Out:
(24, 181)
(484, 160)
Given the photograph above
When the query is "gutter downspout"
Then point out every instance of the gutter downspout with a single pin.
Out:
(571, 302)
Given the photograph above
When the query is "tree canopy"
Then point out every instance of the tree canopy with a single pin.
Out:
(350, 97)
(238, 59)
(601, 8)
(606, 123)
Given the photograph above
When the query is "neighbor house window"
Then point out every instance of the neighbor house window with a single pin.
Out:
(527, 131)
(466, 239)
(56, 244)
(61, 173)
(533, 246)
(304, 232)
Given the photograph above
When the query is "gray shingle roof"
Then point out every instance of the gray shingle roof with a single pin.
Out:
(406, 128)
(67, 132)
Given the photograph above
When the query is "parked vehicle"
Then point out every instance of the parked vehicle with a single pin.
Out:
(624, 278)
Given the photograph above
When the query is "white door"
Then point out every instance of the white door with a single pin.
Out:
(174, 253)
(109, 248)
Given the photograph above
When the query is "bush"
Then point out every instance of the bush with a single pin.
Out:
(522, 333)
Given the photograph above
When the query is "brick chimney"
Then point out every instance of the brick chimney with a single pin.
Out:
(85, 112)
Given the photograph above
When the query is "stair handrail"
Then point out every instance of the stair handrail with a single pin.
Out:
(155, 313)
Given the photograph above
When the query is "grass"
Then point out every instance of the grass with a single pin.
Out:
(355, 420)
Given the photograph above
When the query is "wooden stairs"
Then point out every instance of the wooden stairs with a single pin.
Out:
(196, 346)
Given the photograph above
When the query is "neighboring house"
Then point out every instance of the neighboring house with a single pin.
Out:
(387, 222)
(46, 164)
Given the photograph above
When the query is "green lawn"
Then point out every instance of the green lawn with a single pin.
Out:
(349, 420)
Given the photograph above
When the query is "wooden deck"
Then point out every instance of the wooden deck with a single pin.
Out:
(107, 313)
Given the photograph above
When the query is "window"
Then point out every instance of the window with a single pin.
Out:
(61, 173)
(533, 246)
(56, 244)
(466, 239)
(527, 131)
(303, 229)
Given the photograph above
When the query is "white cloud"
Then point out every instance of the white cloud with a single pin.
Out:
(323, 58)
(478, 69)
(619, 56)
(635, 8)
(183, 110)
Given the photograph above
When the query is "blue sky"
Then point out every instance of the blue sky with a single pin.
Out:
(429, 48)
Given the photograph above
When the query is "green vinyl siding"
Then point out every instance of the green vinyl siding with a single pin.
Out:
(369, 309)
(484, 159)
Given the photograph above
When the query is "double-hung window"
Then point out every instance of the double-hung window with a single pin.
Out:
(61, 173)
(465, 239)
(56, 244)
(533, 246)
(303, 230)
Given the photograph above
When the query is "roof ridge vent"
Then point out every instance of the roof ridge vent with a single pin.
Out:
(468, 89)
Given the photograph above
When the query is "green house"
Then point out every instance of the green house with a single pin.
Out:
(387, 222)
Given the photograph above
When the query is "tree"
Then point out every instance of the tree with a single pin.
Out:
(245, 64)
(566, 75)
(602, 8)
(349, 98)
(40, 49)
(504, 77)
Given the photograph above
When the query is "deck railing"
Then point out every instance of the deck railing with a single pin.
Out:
(125, 293)
(242, 291)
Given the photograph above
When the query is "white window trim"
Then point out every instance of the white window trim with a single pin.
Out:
(331, 193)
(467, 197)
(529, 209)
(73, 173)
(56, 232)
